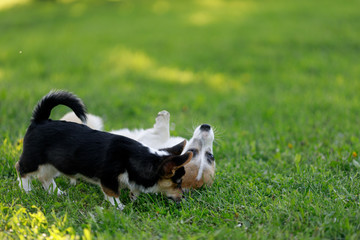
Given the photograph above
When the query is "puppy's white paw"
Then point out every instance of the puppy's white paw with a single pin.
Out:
(120, 207)
(162, 118)
(60, 193)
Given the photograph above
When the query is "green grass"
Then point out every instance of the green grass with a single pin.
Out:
(278, 79)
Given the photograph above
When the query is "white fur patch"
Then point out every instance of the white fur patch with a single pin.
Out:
(125, 182)
(151, 137)
(93, 121)
(158, 152)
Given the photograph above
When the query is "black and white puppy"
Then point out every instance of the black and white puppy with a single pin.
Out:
(109, 160)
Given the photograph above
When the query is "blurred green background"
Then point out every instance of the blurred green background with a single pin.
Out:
(279, 80)
(223, 62)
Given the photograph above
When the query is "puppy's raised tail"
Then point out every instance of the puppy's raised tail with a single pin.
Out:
(52, 99)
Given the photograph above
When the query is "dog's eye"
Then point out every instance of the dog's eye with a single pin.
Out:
(210, 157)
(194, 151)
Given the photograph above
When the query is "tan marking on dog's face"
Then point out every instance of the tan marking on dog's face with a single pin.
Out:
(189, 179)
(109, 192)
(170, 189)
(191, 172)
(209, 175)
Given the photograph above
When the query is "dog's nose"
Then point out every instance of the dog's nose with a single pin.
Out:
(205, 127)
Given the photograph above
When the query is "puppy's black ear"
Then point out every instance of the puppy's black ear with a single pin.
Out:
(172, 163)
(177, 149)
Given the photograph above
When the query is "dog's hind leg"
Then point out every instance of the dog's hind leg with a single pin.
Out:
(25, 183)
(25, 180)
(46, 176)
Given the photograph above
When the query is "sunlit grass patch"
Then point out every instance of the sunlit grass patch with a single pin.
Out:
(125, 61)
(18, 222)
(5, 4)
(216, 11)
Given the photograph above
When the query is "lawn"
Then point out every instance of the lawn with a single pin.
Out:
(279, 80)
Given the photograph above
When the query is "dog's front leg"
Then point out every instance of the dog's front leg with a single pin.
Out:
(112, 196)
(115, 201)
